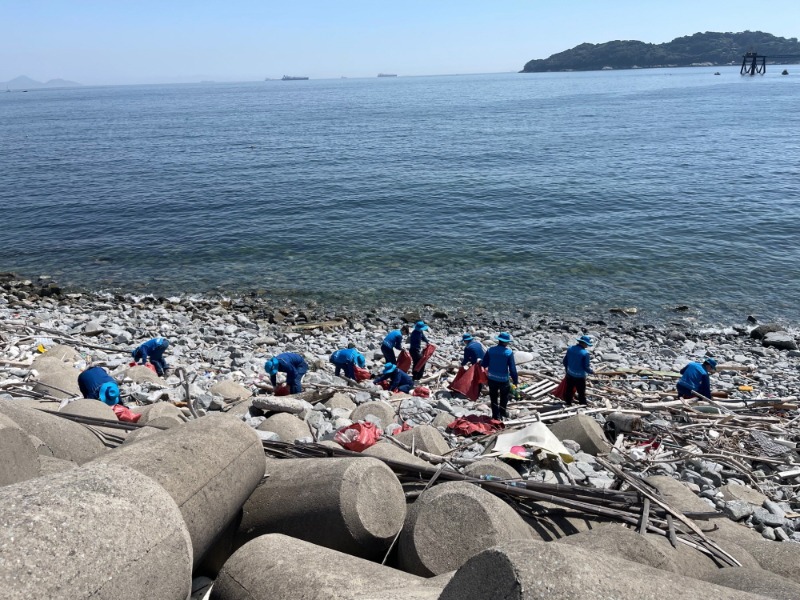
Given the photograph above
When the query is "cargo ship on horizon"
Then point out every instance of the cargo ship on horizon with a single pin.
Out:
(387, 74)
(291, 78)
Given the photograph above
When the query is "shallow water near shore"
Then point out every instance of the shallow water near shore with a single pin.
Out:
(552, 192)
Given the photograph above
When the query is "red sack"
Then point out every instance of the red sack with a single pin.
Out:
(282, 390)
(358, 436)
(361, 374)
(125, 415)
(426, 354)
(467, 383)
(421, 392)
(561, 390)
(472, 424)
(405, 427)
(385, 384)
(404, 361)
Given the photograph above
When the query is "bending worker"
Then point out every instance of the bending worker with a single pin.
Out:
(95, 383)
(576, 363)
(473, 350)
(695, 378)
(291, 363)
(153, 351)
(415, 346)
(500, 365)
(393, 341)
(348, 359)
(399, 381)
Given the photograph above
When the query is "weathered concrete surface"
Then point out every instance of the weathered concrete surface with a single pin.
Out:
(536, 570)
(230, 390)
(733, 491)
(354, 505)
(389, 451)
(100, 532)
(379, 409)
(141, 433)
(91, 408)
(615, 540)
(209, 466)
(340, 400)
(159, 409)
(755, 581)
(583, 430)
(450, 523)
(283, 568)
(425, 438)
(561, 523)
(19, 459)
(50, 465)
(280, 404)
(59, 383)
(142, 374)
(63, 438)
(491, 467)
(288, 427)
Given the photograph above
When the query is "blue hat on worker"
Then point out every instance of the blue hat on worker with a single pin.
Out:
(109, 393)
(504, 337)
(389, 368)
(271, 366)
(711, 363)
(585, 339)
(162, 343)
(420, 326)
(467, 337)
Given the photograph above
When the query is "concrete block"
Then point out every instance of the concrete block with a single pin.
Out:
(353, 505)
(283, 568)
(19, 458)
(288, 427)
(538, 570)
(733, 491)
(142, 374)
(99, 532)
(60, 352)
(50, 465)
(59, 383)
(63, 438)
(95, 409)
(209, 466)
(380, 409)
(491, 467)
(451, 522)
(561, 523)
(44, 364)
(142, 433)
(159, 409)
(425, 438)
(616, 540)
(583, 430)
(230, 390)
(390, 451)
(755, 581)
(340, 400)
(281, 404)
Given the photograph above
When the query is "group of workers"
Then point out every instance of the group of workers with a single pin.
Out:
(498, 362)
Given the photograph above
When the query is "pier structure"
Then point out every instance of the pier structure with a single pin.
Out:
(754, 63)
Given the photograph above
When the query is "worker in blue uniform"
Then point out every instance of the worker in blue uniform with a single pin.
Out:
(347, 359)
(399, 381)
(291, 363)
(393, 341)
(696, 378)
(473, 350)
(415, 341)
(501, 371)
(96, 384)
(576, 363)
(152, 351)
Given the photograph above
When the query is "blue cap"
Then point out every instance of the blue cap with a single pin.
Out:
(711, 363)
(271, 366)
(504, 337)
(585, 339)
(389, 368)
(420, 326)
(467, 337)
(109, 393)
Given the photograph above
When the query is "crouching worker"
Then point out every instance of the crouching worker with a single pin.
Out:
(152, 351)
(695, 378)
(473, 351)
(290, 363)
(500, 367)
(399, 381)
(96, 384)
(393, 341)
(347, 359)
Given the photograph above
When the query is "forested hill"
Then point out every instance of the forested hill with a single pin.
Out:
(701, 48)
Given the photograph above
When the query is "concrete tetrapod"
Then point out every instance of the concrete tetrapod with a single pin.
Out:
(283, 568)
(584, 430)
(209, 466)
(389, 451)
(552, 571)
(19, 459)
(756, 581)
(61, 383)
(491, 467)
(99, 531)
(425, 438)
(450, 523)
(63, 438)
(354, 505)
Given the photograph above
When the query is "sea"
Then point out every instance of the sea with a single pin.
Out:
(555, 193)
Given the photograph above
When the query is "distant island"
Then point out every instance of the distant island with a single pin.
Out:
(701, 49)
(26, 83)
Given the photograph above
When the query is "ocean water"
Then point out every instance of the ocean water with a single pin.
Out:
(557, 192)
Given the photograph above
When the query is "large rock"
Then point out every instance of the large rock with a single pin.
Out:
(780, 340)
(283, 568)
(354, 505)
(585, 431)
(425, 438)
(491, 468)
(280, 404)
(537, 570)
(758, 333)
(230, 390)
(19, 459)
(59, 383)
(380, 410)
(340, 400)
(734, 491)
(99, 532)
(287, 427)
(450, 523)
(61, 438)
(209, 466)
(389, 451)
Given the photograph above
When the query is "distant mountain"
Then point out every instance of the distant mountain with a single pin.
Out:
(26, 83)
(710, 48)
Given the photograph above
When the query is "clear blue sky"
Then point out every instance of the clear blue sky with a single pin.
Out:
(121, 41)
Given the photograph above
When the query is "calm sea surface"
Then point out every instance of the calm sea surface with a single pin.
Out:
(550, 192)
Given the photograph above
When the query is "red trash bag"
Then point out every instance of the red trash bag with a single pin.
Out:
(426, 354)
(467, 383)
(561, 390)
(385, 384)
(470, 424)
(361, 374)
(358, 436)
(421, 392)
(404, 361)
(125, 415)
(282, 390)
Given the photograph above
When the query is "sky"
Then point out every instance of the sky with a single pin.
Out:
(113, 42)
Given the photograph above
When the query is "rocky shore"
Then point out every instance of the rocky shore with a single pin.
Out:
(735, 456)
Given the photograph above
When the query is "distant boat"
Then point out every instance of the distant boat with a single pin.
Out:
(717, 73)
(290, 78)
(387, 74)
(785, 72)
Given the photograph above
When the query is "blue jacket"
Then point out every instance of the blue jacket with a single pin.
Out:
(473, 352)
(576, 360)
(696, 379)
(394, 339)
(92, 380)
(415, 340)
(396, 379)
(151, 349)
(292, 364)
(499, 360)
(348, 356)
